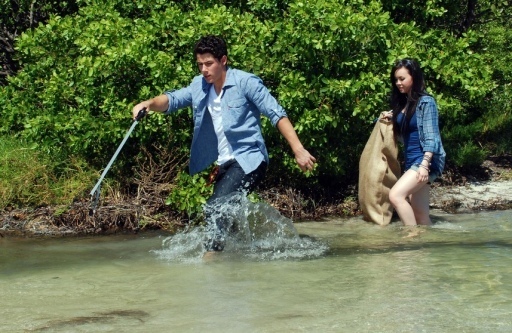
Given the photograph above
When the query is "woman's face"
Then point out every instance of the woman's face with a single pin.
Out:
(403, 80)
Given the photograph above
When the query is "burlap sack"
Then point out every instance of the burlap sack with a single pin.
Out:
(378, 172)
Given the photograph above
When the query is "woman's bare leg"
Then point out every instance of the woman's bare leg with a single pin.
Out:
(405, 186)
(419, 203)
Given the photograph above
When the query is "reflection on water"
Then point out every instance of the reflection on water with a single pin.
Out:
(453, 277)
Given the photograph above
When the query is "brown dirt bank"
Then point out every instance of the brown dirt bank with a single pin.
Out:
(488, 187)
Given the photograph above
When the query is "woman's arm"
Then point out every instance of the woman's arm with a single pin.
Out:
(428, 124)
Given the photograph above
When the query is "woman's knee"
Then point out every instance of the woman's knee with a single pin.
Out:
(395, 198)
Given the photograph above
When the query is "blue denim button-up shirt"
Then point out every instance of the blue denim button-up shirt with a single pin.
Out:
(245, 99)
(428, 128)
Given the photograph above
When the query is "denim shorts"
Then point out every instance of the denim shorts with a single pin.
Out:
(433, 175)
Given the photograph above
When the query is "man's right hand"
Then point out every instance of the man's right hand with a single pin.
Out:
(159, 103)
(136, 109)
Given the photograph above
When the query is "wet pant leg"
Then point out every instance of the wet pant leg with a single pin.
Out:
(230, 184)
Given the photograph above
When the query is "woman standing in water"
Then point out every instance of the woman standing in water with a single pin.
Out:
(416, 123)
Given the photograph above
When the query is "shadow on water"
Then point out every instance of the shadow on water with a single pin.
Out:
(254, 231)
(21, 256)
(391, 248)
(103, 318)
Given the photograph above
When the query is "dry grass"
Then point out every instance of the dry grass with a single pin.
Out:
(146, 209)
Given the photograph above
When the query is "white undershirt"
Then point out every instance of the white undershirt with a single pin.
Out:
(214, 106)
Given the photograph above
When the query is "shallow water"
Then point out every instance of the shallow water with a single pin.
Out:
(340, 275)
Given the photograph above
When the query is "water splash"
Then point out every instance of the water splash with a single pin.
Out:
(255, 231)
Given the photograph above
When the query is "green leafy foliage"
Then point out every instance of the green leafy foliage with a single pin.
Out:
(19, 16)
(190, 194)
(327, 62)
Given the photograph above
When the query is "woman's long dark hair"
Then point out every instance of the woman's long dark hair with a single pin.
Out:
(400, 101)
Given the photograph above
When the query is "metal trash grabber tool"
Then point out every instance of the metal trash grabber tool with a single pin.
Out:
(95, 193)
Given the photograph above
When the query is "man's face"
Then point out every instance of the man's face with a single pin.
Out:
(211, 68)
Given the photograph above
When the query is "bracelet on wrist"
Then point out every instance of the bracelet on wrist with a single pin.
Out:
(424, 167)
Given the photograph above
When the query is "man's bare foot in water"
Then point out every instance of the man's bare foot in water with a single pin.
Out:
(209, 256)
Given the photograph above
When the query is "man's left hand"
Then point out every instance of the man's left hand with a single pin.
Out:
(305, 160)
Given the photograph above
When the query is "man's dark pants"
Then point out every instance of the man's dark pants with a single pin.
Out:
(230, 183)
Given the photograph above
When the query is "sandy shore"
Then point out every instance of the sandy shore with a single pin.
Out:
(473, 196)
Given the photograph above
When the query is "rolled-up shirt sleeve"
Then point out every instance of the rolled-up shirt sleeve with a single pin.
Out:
(178, 99)
(259, 94)
(430, 126)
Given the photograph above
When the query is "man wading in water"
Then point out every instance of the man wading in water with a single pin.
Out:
(227, 104)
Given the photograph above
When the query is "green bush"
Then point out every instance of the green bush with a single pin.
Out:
(327, 62)
(189, 195)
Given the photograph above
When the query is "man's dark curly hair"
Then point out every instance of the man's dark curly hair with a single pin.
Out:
(211, 44)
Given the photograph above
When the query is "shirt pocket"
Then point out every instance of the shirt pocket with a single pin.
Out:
(237, 113)
(237, 104)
